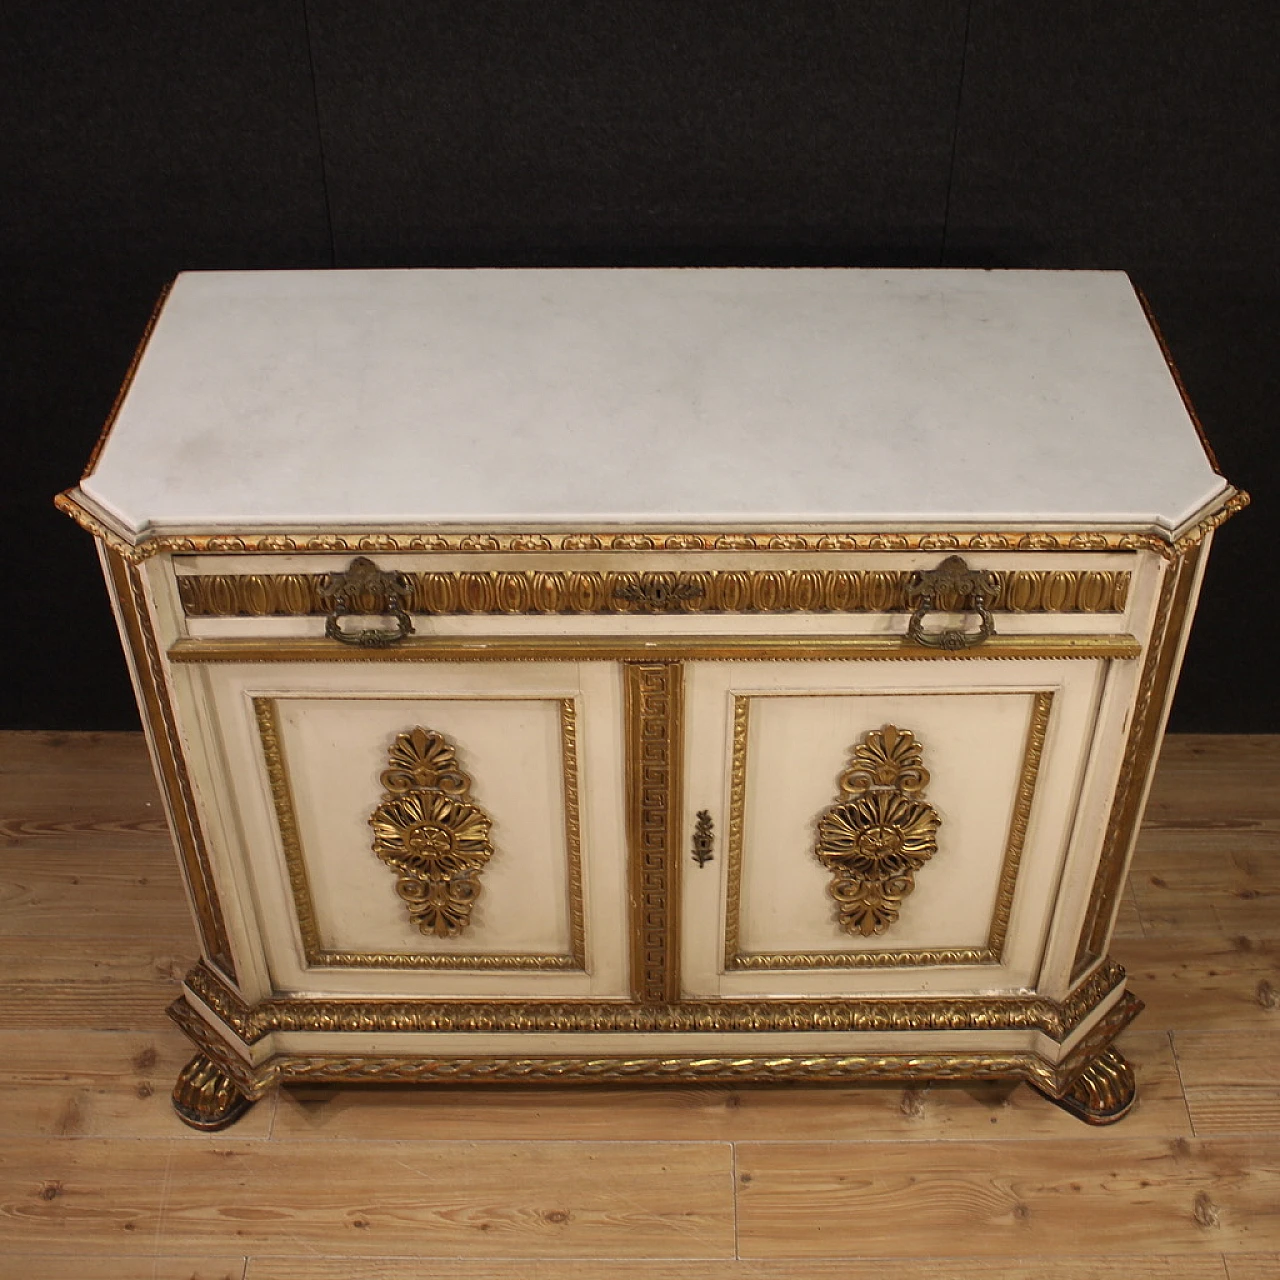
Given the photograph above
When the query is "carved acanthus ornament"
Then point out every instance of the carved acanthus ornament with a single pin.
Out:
(428, 831)
(880, 833)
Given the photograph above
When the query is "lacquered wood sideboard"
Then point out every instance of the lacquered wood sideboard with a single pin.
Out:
(653, 675)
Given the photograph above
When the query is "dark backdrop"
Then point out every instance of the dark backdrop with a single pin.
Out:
(145, 138)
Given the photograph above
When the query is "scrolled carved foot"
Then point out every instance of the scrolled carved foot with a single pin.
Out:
(1104, 1092)
(205, 1097)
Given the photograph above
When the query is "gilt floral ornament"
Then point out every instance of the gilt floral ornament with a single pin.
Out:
(428, 831)
(881, 833)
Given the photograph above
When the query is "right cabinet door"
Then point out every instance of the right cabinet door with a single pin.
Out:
(895, 827)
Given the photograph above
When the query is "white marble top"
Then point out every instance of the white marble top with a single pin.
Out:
(674, 397)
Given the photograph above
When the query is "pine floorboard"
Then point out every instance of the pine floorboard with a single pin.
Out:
(99, 1181)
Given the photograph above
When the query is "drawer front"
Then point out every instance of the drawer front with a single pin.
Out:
(650, 592)
(882, 827)
(428, 837)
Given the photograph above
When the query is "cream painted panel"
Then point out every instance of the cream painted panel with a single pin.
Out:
(798, 746)
(972, 720)
(335, 723)
(335, 748)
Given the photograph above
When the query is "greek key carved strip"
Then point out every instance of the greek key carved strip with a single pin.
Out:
(713, 591)
(654, 717)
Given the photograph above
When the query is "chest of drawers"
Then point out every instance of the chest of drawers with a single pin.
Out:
(653, 675)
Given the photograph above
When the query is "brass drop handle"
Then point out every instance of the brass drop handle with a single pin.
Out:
(976, 589)
(348, 594)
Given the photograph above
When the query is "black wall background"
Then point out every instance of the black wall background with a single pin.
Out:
(141, 139)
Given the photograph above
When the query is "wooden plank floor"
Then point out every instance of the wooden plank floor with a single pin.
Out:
(98, 1181)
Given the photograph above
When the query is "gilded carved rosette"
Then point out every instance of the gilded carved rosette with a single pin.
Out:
(428, 831)
(881, 831)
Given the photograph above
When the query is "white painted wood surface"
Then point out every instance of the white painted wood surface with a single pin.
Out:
(900, 397)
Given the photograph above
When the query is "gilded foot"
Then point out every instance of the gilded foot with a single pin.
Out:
(1104, 1092)
(205, 1097)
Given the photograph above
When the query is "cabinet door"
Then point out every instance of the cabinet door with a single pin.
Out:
(880, 826)
(428, 829)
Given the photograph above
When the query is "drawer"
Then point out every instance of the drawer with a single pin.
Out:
(655, 593)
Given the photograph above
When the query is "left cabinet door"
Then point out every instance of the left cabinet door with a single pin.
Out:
(419, 829)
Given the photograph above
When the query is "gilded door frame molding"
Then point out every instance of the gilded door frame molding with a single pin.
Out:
(737, 961)
(316, 955)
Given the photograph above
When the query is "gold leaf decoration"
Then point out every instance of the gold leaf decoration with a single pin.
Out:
(880, 833)
(427, 829)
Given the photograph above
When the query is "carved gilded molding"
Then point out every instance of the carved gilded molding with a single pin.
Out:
(654, 713)
(589, 648)
(737, 830)
(573, 831)
(1053, 1079)
(991, 953)
(314, 951)
(429, 832)
(483, 542)
(1201, 530)
(1139, 757)
(128, 552)
(1033, 753)
(959, 1013)
(130, 594)
(881, 831)
(486, 593)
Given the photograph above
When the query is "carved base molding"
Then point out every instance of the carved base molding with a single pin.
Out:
(251, 1023)
(206, 1097)
(223, 1085)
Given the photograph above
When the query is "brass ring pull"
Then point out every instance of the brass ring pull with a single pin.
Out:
(971, 591)
(366, 589)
